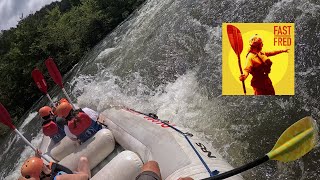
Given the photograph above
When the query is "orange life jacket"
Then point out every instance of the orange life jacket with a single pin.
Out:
(54, 131)
(50, 129)
(79, 124)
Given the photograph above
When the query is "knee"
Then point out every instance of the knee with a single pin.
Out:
(83, 159)
(151, 166)
(83, 177)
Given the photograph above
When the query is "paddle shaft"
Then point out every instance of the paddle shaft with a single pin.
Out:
(238, 52)
(239, 169)
(243, 85)
(68, 97)
(29, 144)
(48, 96)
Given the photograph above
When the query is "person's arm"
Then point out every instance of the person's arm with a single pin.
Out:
(37, 153)
(72, 176)
(273, 53)
(247, 69)
(69, 134)
(91, 113)
(83, 171)
(244, 76)
(58, 167)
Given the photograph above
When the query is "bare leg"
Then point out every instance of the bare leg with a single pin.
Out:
(152, 166)
(185, 178)
(83, 166)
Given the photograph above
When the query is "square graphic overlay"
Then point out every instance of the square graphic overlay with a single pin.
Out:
(265, 53)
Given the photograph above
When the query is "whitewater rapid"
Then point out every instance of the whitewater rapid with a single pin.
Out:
(166, 59)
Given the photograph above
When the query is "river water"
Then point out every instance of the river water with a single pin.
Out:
(166, 59)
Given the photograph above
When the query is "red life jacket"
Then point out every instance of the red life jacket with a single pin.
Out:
(79, 124)
(50, 129)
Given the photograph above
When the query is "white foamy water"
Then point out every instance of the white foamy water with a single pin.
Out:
(16, 137)
(27, 121)
(26, 153)
(9, 145)
(167, 60)
(179, 102)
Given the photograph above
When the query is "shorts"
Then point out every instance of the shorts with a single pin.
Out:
(147, 175)
(262, 86)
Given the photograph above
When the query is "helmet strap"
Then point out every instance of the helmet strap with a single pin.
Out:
(44, 175)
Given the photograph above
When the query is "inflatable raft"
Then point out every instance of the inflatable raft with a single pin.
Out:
(143, 138)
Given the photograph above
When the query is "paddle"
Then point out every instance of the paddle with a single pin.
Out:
(41, 83)
(236, 42)
(6, 120)
(296, 141)
(56, 76)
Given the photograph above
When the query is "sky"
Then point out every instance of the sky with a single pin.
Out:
(11, 10)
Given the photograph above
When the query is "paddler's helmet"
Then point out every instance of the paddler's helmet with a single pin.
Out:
(32, 167)
(45, 111)
(63, 109)
(256, 41)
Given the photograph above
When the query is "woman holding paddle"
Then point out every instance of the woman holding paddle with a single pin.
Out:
(259, 66)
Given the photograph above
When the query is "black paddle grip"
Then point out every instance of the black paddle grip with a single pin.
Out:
(239, 169)
(244, 88)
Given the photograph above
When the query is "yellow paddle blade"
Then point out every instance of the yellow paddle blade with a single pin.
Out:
(296, 141)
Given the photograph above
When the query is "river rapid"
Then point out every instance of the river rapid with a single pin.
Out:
(166, 59)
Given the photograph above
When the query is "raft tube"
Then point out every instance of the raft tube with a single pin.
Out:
(153, 140)
(58, 151)
(126, 165)
(96, 149)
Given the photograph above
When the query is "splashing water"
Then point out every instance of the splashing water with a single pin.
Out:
(166, 59)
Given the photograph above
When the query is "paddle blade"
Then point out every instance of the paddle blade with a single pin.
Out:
(296, 141)
(235, 39)
(5, 117)
(39, 80)
(54, 72)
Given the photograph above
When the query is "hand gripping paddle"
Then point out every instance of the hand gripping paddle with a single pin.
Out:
(6, 120)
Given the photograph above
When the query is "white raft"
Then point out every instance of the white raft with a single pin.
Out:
(144, 139)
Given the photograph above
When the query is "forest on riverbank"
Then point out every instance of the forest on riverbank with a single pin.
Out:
(64, 30)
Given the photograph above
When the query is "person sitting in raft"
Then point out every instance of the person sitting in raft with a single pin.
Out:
(49, 126)
(90, 112)
(77, 122)
(34, 168)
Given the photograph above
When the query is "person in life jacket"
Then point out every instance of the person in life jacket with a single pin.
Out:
(49, 126)
(90, 112)
(259, 66)
(57, 104)
(34, 168)
(78, 123)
